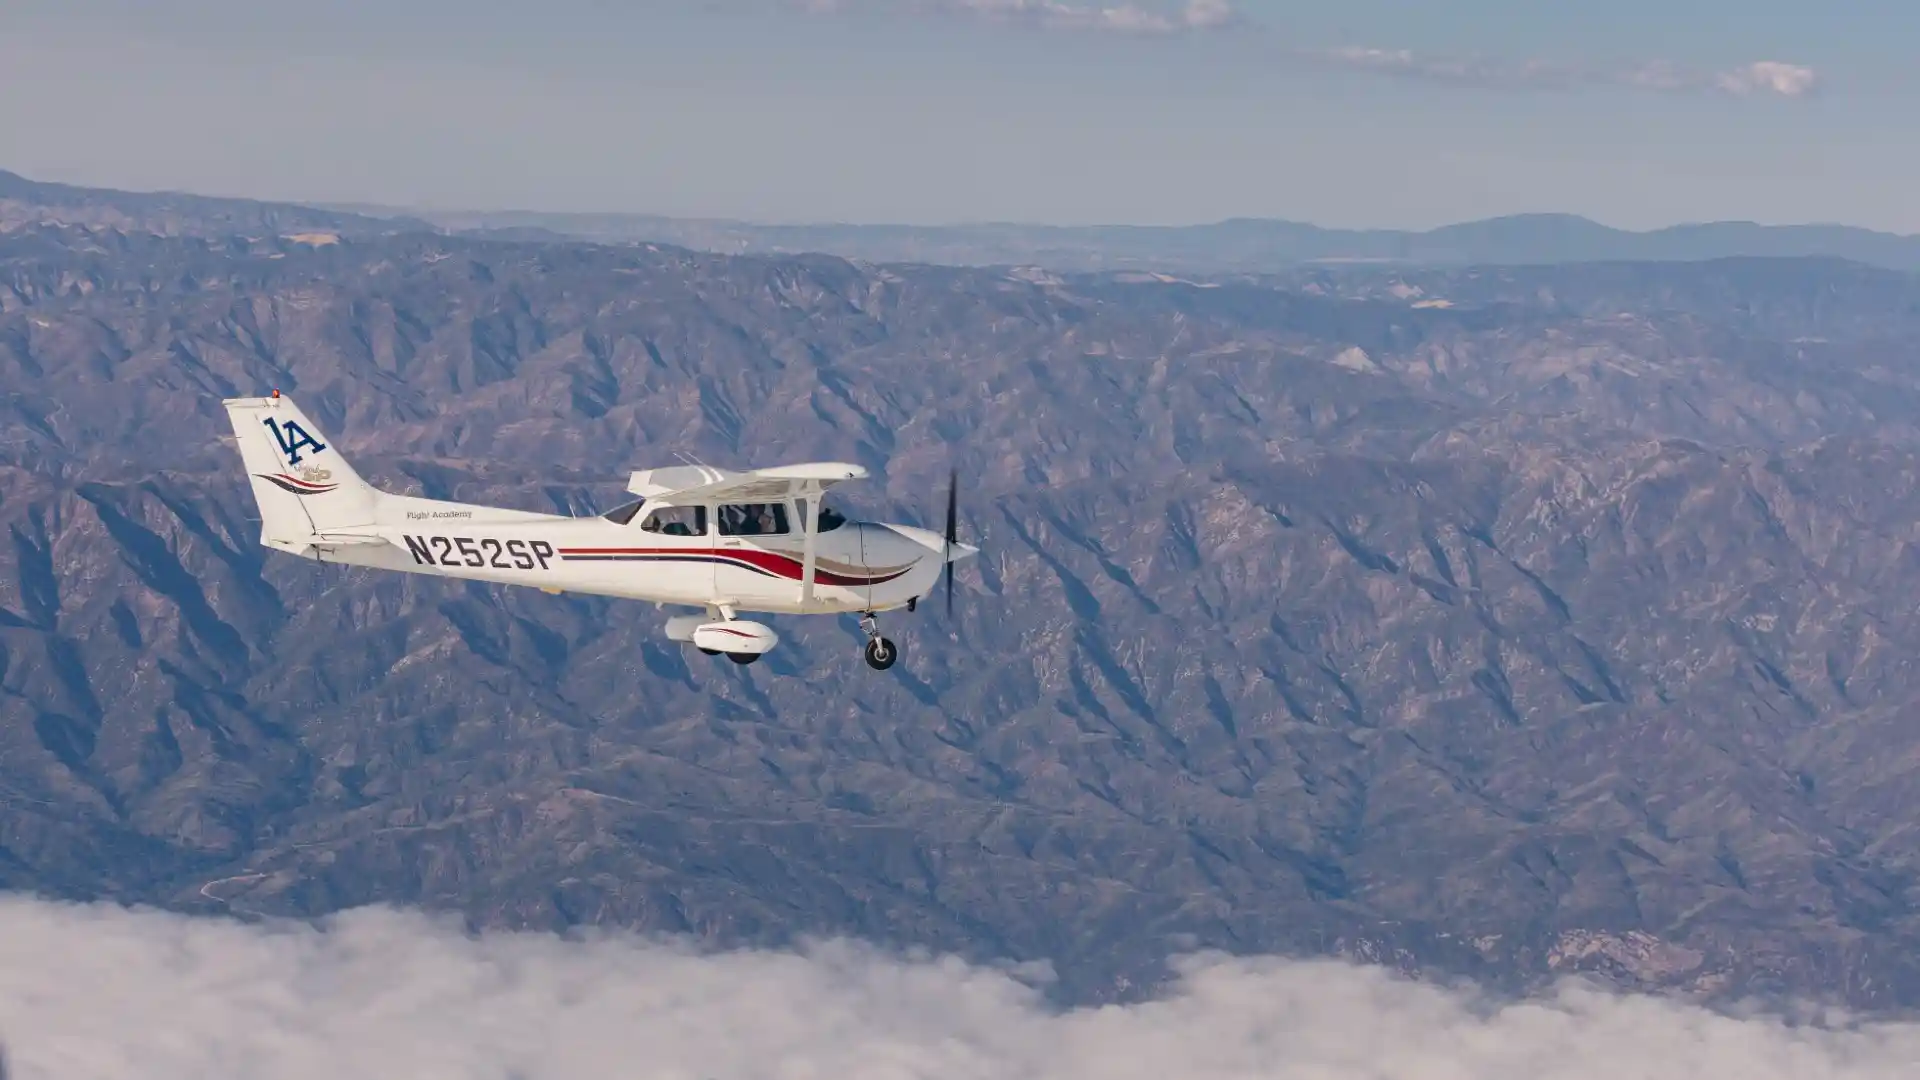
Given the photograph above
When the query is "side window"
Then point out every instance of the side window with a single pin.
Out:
(677, 521)
(754, 519)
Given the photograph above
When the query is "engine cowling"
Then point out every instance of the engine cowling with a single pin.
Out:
(737, 636)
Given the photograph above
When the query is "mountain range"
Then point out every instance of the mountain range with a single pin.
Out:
(1498, 621)
(1235, 246)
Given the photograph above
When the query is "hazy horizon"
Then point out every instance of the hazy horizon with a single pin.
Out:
(429, 208)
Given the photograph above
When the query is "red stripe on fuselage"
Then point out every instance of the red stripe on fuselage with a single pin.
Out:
(771, 562)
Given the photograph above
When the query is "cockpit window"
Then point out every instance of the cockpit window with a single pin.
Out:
(830, 519)
(677, 521)
(623, 513)
(753, 519)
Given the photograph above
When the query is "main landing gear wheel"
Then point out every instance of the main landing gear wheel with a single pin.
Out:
(880, 652)
(743, 658)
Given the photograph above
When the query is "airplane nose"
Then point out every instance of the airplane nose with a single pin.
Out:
(933, 542)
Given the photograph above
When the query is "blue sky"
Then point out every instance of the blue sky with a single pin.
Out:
(1360, 112)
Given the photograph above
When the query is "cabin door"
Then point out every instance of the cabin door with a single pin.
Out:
(679, 542)
(756, 552)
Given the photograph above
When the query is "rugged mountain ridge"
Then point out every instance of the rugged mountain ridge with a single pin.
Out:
(1525, 635)
(25, 202)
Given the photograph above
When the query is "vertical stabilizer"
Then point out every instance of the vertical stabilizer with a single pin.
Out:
(301, 483)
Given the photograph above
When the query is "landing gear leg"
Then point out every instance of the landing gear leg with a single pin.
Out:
(880, 652)
(716, 612)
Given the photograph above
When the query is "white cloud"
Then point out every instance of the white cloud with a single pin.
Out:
(1406, 62)
(100, 993)
(1769, 77)
(1761, 78)
(1128, 18)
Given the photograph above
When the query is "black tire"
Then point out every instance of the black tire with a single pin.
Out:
(881, 654)
(743, 658)
(710, 652)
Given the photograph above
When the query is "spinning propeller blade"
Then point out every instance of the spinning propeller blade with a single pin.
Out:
(953, 479)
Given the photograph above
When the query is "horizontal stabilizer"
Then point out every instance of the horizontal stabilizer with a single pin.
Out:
(336, 539)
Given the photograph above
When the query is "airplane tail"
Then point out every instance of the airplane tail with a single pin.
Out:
(303, 485)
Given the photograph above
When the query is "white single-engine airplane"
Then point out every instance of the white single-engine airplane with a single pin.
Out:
(699, 537)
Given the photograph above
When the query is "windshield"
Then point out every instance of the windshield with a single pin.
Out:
(830, 519)
(623, 513)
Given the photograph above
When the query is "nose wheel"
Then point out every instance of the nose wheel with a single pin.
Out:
(880, 652)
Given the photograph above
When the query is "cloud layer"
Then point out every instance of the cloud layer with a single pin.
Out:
(1771, 78)
(1123, 18)
(1055, 14)
(1763, 77)
(101, 992)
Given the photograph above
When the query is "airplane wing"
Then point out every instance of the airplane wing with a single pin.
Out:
(698, 483)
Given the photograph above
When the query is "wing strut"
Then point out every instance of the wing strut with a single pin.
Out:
(813, 492)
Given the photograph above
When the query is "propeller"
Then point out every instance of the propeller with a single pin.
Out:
(953, 482)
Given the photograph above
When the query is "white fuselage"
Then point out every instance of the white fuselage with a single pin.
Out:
(859, 566)
(723, 541)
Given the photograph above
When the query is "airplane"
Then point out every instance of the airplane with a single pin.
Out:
(722, 541)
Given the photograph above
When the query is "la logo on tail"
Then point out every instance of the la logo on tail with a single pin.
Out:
(292, 437)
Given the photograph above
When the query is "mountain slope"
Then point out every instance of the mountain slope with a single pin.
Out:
(1505, 638)
(25, 202)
